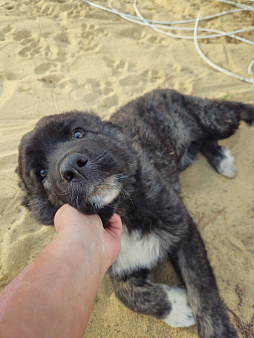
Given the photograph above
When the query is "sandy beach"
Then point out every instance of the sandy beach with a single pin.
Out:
(63, 55)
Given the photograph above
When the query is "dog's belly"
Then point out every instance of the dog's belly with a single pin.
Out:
(137, 252)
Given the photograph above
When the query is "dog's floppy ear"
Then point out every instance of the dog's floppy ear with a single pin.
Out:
(41, 209)
(20, 184)
(25, 201)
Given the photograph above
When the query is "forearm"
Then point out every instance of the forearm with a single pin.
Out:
(58, 273)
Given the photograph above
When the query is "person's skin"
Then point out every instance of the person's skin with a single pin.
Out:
(53, 296)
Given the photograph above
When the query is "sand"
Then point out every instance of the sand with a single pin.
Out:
(63, 55)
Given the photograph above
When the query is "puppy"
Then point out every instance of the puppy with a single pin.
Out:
(130, 165)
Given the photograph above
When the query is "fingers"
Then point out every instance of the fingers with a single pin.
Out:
(69, 217)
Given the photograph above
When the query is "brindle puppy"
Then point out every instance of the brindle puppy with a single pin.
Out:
(130, 165)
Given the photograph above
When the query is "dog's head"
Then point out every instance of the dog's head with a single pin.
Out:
(73, 158)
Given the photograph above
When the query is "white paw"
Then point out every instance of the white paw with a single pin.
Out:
(181, 314)
(227, 166)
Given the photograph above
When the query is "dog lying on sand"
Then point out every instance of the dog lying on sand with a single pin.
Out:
(130, 165)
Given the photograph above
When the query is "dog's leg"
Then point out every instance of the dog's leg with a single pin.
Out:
(218, 119)
(220, 158)
(215, 120)
(190, 260)
(247, 114)
(139, 294)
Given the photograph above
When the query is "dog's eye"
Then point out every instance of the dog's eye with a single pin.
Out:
(43, 173)
(78, 133)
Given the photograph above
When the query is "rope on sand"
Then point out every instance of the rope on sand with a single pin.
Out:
(215, 66)
(164, 27)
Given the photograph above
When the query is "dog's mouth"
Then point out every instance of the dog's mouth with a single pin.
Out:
(105, 193)
(103, 200)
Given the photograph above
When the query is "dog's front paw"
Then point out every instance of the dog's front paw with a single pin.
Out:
(181, 314)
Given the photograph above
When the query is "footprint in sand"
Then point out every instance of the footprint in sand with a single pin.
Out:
(11, 76)
(110, 101)
(51, 80)
(3, 32)
(133, 33)
(62, 38)
(29, 43)
(31, 48)
(22, 35)
(99, 87)
(139, 78)
(118, 66)
(155, 40)
(43, 68)
(91, 37)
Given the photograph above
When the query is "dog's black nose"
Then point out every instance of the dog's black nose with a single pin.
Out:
(74, 168)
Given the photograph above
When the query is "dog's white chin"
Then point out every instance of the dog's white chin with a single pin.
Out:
(105, 193)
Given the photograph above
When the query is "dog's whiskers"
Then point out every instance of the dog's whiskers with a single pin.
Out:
(125, 193)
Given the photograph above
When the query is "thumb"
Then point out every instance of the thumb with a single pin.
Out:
(115, 226)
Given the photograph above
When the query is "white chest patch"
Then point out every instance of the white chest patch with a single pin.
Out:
(137, 252)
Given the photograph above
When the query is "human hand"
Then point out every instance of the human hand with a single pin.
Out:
(88, 228)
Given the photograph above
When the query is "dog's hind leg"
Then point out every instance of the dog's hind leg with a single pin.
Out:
(190, 260)
(220, 158)
(218, 119)
(140, 295)
(247, 114)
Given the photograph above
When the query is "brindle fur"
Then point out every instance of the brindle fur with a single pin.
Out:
(141, 151)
